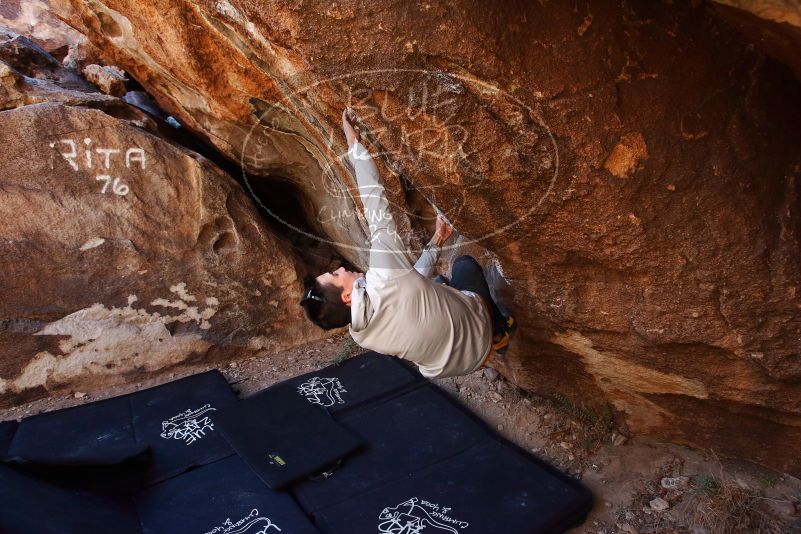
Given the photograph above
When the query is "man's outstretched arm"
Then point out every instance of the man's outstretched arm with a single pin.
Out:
(387, 251)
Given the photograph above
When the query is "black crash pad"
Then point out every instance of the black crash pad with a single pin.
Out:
(7, 431)
(89, 447)
(176, 420)
(99, 432)
(224, 497)
(172, 421)
(363, 379)
(29, 505)
(282, 437)
(491, 488)
(423, 445)
(427, 465)
(401, 435)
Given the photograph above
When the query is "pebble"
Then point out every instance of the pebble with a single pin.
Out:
(659, 504)
(675, 483)
(80, 394)
(626, 527)
(490, 374)
(232, 365)
(618, 439)
(500, 427)
(564, 445)
(783, 508)
(496, 396)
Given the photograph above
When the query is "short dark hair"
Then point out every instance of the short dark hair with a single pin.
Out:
(324, 306)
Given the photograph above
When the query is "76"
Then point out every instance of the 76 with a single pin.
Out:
(117, 187)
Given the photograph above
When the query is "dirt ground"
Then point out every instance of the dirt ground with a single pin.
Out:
(640, 485)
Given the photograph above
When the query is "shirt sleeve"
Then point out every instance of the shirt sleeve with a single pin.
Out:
(427, 260)
(387, 251)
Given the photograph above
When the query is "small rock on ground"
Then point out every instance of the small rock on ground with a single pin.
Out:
(675, 483)
(659, 504)
(490, 374)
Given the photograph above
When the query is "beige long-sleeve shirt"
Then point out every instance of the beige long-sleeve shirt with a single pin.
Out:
(397, 310)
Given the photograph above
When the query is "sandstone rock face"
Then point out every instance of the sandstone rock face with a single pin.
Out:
(632, 167)
(772, 25)
(34, 19)
(28, 75)
(109, 80)
(82, 53)
(122, 253)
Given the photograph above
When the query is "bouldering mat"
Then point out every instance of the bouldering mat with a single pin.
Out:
(7, 431)
(29, 505)
(282, 437)
(176, 420)
(225, 497)
(354, 382)
(426, 465)
(172, 421)
(490, 489)
(429, 465)
(401, 435)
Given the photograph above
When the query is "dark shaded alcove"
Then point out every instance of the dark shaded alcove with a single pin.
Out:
(288, 213)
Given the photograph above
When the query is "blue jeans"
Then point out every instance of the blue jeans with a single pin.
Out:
(467, 275)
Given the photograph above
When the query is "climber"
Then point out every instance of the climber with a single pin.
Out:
(446, 329)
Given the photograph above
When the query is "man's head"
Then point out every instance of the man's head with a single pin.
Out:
(327, 298)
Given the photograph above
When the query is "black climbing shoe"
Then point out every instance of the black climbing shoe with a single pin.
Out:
(500, 342)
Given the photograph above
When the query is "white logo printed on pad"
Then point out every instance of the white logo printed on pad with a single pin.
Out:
(324, 392)
(253, 523)
(418, 517)
(188, 426)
